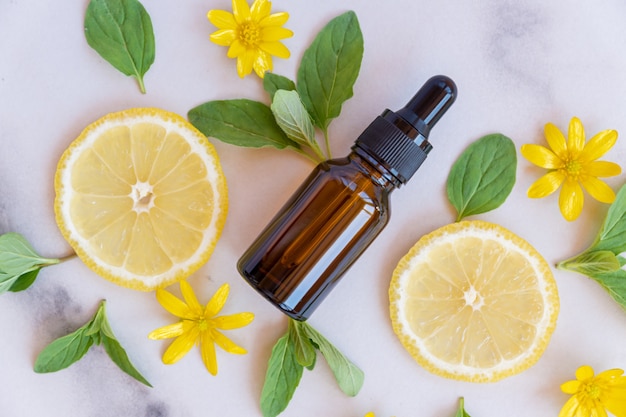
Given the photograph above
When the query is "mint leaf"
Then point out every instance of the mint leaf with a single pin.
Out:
(483, 176)
(19, 263)
(293, 119)
(240, 122)
(118, 355)
(329, 69)
(302, 346)
(63, 352)
(273, 82)
(612, 235)
(282, 378)
(121, 32)
(349, 377)
(592, 263)
(66, 350)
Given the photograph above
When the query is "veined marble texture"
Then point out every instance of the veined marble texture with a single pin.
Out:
(517, 65)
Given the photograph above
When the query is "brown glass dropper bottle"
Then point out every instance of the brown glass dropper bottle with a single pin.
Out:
(342, 206)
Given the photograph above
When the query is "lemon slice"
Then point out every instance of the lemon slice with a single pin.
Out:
(141, 197)
(472, 301)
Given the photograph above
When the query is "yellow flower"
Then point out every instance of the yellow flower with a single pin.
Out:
(252, 34)
(572, 164)
(593, 396)
(198, 325)
(370, 414)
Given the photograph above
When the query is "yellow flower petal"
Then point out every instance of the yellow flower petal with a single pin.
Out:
(276, 19)
(570, 409)
(260, 10)
(598, 145)
(611, 373)
(173, 304)
(273, 34)
(584, 372)
(217, 301)
(599, 190)
(181, 345)
(241, 10)
(236, 49)
(233, 321)
(227, 344)
(190, 299)
(541, 156)
(223, 37)
(571, 203)
(245, 61)
(207, 348)
(570, 387)
(602, 169)
(370, 414)
(166, 332)
(575, 137)
(546, 185)
(222, 19)
(262, 64)
(276, 49)
(556, 140)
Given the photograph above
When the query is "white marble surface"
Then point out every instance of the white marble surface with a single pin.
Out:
(517, 64)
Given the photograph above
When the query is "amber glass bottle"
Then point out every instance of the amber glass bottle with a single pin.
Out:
(342, 206)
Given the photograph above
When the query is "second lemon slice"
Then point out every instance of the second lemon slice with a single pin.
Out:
(473, 301)
(141, 197)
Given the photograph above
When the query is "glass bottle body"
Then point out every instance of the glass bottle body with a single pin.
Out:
(325, 226)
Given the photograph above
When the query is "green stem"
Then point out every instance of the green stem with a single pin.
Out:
(142, 87)
(309, 157)
(327, 144)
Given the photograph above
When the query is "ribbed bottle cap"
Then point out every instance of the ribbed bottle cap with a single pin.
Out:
(399, 140)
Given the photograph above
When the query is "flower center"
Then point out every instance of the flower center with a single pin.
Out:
(203, 325)
(250, 34)
(593, 391)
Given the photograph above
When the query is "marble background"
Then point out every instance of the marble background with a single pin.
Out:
(517, 64)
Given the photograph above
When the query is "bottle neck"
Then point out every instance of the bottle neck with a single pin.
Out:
(378, 173)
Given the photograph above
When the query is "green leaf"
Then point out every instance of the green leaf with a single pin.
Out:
(349, 377)
(592, 263)
(282, 378)
(612, 236)
(330, 67)
(461, 411)
(301, 344)
(615, 284)
(121, 32)
(17, 256)
(240, 122)
(24, 281)
(63, 352)
(273, 82)
(118, 355)
(483, 176)
(293, 118)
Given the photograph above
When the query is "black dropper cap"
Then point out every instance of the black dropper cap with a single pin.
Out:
(399, 140)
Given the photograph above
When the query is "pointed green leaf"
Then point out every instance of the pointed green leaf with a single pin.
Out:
(483, 176)
(349, 377)
(240, 122)
(274, 82)
(615, 284)
(121, 32)
(612, 236)
(24, 281)
(282, 378)
(63, 352)
(118, 355)
(330, 67)
(592, 263)
(17, 256)
(293, 118)
(302, 346)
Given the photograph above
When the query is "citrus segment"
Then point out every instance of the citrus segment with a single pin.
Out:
(473, 301)
(141, 197)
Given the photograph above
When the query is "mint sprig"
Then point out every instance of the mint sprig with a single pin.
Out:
(604, 260)
(69, 349)
(293, 352)
(461, 410)
(325, 80)
(19, 263)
